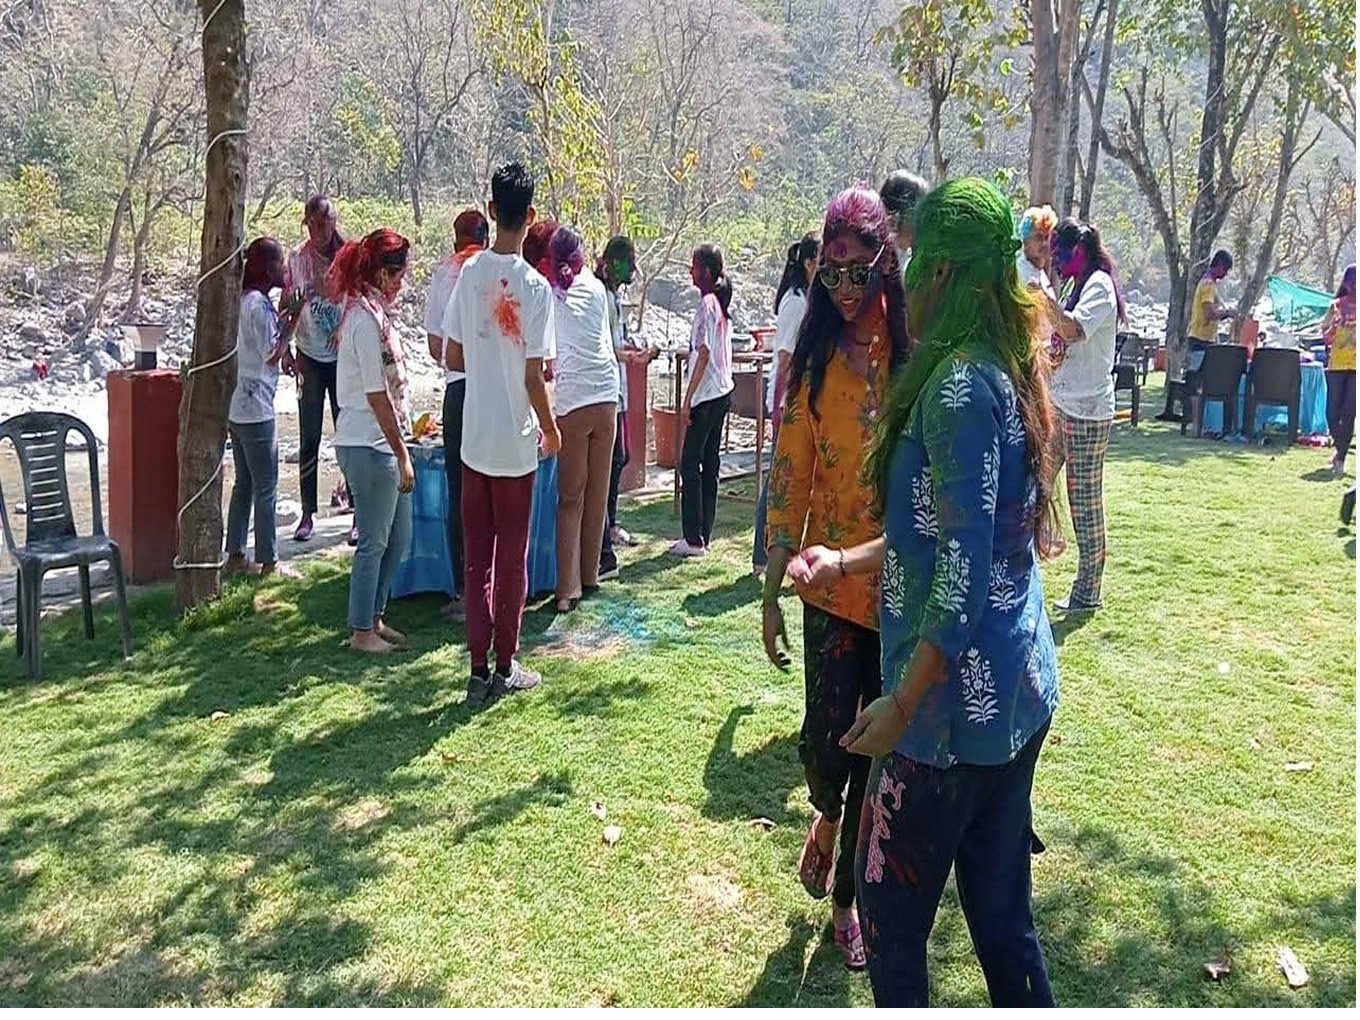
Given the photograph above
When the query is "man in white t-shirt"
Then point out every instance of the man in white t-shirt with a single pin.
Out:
(470, 235)
(499, 327)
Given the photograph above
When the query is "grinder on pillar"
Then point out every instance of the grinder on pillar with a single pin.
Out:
(146, 337)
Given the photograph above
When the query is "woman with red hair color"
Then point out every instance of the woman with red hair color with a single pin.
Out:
(364, 279)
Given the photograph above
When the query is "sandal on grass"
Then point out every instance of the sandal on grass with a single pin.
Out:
(851, 945)
(814, 866)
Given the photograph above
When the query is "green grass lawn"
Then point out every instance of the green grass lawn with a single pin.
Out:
(351, 833)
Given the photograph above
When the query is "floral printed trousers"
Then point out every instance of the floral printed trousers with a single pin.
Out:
(918, 821)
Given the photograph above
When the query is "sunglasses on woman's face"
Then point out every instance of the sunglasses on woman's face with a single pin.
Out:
(861, 274)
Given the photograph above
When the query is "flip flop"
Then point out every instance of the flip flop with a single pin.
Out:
(814, 866)
(851, 945)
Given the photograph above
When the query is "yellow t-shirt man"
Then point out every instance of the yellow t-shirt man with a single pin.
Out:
(1203, 323)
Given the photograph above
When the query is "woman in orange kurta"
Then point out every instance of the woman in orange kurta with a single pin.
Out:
(853, 335)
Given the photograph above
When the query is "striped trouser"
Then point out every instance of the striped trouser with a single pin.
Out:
(1082, 451)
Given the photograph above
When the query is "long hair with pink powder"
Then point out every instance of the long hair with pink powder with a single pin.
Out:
(857, 212)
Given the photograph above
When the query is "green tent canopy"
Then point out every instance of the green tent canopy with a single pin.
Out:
(1293, 304)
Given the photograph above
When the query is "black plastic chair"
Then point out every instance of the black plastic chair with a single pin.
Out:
(1275, 379)
(50, 538)
(1218, 378)
(1125, 372)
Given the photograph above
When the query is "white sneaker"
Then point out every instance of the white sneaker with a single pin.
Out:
(683, 548)
(621, 537)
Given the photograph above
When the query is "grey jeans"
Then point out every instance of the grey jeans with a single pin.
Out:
(255, 451)
(383, 517)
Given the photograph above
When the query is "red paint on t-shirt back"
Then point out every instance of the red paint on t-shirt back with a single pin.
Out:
(505, 311)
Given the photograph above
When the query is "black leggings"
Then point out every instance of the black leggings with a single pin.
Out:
(1341, 410)
(699, 463)
(318, 383)
(842, 674)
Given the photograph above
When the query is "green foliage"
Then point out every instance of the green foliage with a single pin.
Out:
(521, 48)
(366, 144)
(946, 49)
(32, 219)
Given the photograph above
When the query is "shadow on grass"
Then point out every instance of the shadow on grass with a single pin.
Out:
(285, 816)
(1063, 626)
(717, 601)
(553, 790)
(751, 785)
(786, 981)
(1171, 924)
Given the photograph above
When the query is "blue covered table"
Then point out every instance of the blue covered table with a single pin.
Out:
(1312, 406)
(427, 566)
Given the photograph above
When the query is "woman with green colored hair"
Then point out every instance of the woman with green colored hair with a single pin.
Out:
(960, 470)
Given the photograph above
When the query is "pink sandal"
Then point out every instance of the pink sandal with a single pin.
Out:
(814, 866)
(851, 945)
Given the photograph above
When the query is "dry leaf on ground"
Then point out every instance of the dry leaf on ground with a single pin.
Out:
(612, 834)
(1294, 971)
(762, 823)
(218, 716)
(598, 809)
(1298, 766)
(1219, 968)
(448, 759)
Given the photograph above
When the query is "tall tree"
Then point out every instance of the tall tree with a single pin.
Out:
(211, 374)
(1097, 109)
(1071, 165)
(1147, 138)
(424, 53)
(1054, 24)
(945, 49)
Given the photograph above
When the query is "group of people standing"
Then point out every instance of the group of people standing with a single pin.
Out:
(504, 316)
(936, 366)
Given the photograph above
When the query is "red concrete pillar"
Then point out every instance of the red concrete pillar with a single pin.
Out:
(144, 470)
(634, 476)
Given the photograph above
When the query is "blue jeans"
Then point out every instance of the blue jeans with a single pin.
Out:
(383, 517)
(255, 451)
(917, 822)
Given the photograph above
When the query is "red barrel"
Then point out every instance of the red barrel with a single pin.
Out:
(144, 470)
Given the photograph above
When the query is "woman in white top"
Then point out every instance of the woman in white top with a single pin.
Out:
(1082, 390)
(370, 444)
(586, 399)
(790, 302)
(250, 420)
(706, 401)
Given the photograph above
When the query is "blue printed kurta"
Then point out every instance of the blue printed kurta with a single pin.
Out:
(960, 571)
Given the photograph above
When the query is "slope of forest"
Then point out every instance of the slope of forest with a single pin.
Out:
(731, 120)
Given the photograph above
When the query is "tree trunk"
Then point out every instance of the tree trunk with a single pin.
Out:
(1088, 182)
(1067, 178)
(417, 213)
(1204, 217)
(1070, 167)
(1296, 112)
(941, 164)
(1054, 23)
(133, 311)
(207, 393)
(121, 211)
